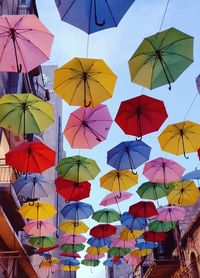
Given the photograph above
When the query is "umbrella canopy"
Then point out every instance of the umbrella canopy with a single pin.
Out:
(48, 262)
(31, 157)
(25, 43)
(99, 242)
(141, 252)
(110, 263)
(114, 198)
(72, 248)
(117, 242)
(185, 193)
(69, 268)
(40, 228)
(146, 245)
(72, 239)
(160, 226)
(171, 213)
(92, 16)
(69, 262)
(163, 170)
(76, 211)
(84, 82)
(25, 113)
(87, 127)
(132, 260)
(103, 230)
(49, 269)
(133, 223)
(42, 241)
(106, 216)
(90, 262)
(94, 257)
(33, 186)
(143, 209)
(161, 58)
(41, 251)
(96, 250)
(71, 227)
(193, 175)
(198, 83)
(141, 115)
(127, 234)
(180, 138)
(120, 252)
(72, 191)
(154, 236)
(128, 155)
(78, 168)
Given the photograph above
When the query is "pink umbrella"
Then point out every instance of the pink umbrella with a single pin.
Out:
(50, 268)
(117, 242)
(25, 43)
(132, 260)
(163, 170)
(93, 257)
(87, 127)
(40, 228)
(72, 239)
(171, 213)
(198, 83)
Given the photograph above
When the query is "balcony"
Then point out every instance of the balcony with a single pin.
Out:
(191, 271)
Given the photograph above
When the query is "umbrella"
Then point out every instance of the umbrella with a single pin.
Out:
(132, 260)
(193, 175)
(72, 191)
(42, 241)
(71, 227)
(49, 269)
(47, 249)
(161, 58)
(106, 216)
(72, 239)
(198, 83)
(114, 198)
(180, 138)
(143, 209)
(78, 168)
(141, 115)
(117, 242)
(92, 16)
(141, 252)
(110, 263)
(120, 252)
(185, 193)
(69, 268)
(76, 211)
(94, 257)
(146, 245)
(40, 228)
(128, 155)
(49, 262)
(25, 113)
(25, 43)
(154, 236)
(70, 255)
(99, 242)
(163, 170)
(84, 82)
(96, 250)
(87, 127)
(69, 262)
(133, 223)
(171, 213)
(72, 248)
(34, 157)
(32, 186)
(160, 226)
(90, 262)
(103, 230)
(127, 234)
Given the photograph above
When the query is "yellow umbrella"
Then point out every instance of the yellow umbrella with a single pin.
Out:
(127, 234)
(84, 82)
(185, 193)
(180, 138)
(49, 262)
(96, 250)
(71, 227)
(69, 268)
(141, 252)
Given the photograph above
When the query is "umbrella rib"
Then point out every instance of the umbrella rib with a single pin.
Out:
(35, 108)
(68, 81)
(33, 119)
(74, 92)
(4, 47)
(174, 42)
(91, 99)
(68, 9)
(186, 58)
(111, 13)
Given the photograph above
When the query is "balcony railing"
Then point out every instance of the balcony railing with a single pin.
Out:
(7, 174)
(190, 271)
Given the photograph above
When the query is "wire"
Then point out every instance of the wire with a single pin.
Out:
(164, 15)
(190, 107)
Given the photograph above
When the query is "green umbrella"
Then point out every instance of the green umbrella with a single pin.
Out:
(25, 113)
(90, 262)
(42, 241)
(159, 226)
(78, 168)
(161, 58)
(72, 248)
(119, 252)
(106, 216)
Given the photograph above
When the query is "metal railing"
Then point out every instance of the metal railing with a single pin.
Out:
(7, 174)
(190, 271)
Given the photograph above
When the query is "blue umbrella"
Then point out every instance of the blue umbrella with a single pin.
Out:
(193, 175)
(146, 245)
(109, 262)
(69, 262)
(128, 155)
(99, 242)
(93, 15)
(133, 223)
(76, 211)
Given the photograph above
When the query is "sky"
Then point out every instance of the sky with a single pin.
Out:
(116, 46)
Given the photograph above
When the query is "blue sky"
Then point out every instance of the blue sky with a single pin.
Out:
(116, 46)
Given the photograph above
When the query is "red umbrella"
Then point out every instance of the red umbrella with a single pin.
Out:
(103, 230)
(154, 236)
(143, 209)
(72, 191)
(141, 115)
(31, 157)
(198, 152)
(42, 250)
(70, 255)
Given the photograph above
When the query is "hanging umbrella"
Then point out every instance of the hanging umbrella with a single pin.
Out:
(31, 157)
(92, 16)
(171, 213)
(160, 226)
(49, 269)
(180, 138)
(143, 209)
(72, 248)
(103, 230)
(154, 236)
(141, 252)
(42, 241)
(132, 260)
(90, 262)
(84, 82)
(96, 250)
(117, 242)
(163, 170)
(161, 58)
(41, 251)
(127, 234)
(78, 168)
(106, 216)
(70, 255)
(193, 175)
(110, 263)
(69, 262)
(198, 83)
(49, 262)
(114, 198)
(25, 113)
(133, 223)
(32, 186)
(69, 268)
(40, 228)
(141, 115)
(94, 257)
(185, 193)
(120, 252)
(99, 242)
(146, 245)
(128, 155)
(87, 127)
(72, 239)
(71, 227)
(25, 43)
(72, 191)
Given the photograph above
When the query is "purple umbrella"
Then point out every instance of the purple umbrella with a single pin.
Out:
(117, 242)
(198, 83)
(170, 214)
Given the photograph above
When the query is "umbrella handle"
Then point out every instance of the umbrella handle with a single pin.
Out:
(139, 138)
(87, 105)
(96, 19)
(19, 68)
